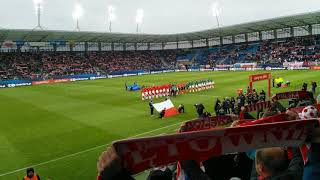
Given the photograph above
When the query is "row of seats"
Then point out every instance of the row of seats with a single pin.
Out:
(52, 64)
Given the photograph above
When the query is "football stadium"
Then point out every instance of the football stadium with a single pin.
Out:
(219, 98)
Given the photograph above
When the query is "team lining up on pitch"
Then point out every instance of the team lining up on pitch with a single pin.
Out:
(200, 143)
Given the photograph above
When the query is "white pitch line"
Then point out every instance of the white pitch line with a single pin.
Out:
(81, 152)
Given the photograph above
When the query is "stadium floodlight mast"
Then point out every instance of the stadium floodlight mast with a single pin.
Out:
(77, 14)
(112, 16)
(38, 8)
(139, 18)
(216, 10)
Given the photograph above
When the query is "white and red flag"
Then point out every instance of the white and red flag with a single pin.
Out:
(170, 110)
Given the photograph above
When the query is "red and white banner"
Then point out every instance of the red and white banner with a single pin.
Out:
(224, 65)
(295, 64)
(206, 123)
(141, 154)
(272, 119)
(168, 106)
(8, 44)
(260, 77)
(50, 81)
(293, 95)
(259, 105)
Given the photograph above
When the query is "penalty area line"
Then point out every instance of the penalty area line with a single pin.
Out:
(82, 152)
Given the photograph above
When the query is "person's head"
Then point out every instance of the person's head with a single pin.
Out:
(292, 115)
(269, 113)
(30, 172)
(243, 108)
(160, 175)
(271, 161)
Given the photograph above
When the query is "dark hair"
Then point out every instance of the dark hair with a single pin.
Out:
(269, 113)
(160, 175)
(273, 163)
(30, 170)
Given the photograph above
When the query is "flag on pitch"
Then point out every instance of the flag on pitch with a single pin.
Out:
(170, 110)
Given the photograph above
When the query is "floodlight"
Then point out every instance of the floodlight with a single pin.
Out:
(77, 12)
(139, 16)
(111, 16)
(216, 10)
(38, 8)
(111, 9)
(37, 2)
(111, 13)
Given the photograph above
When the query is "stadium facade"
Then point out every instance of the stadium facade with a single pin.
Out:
(64, 41)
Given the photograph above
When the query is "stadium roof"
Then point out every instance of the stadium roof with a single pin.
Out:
(73, 36)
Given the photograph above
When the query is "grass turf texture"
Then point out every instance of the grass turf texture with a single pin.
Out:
(45, 122)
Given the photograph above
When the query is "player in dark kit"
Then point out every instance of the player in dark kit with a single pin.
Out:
(225, 106)
(263, 95)
(255, 97)
(181, 108)
(314, 87)
(217, 107)
(304, 87)
(199, 108)
(162, 113)
(151, 107)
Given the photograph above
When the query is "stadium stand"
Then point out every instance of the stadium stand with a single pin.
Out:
(27, 65)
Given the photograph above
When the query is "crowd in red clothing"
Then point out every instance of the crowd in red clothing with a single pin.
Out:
(46, 65)
(52, 64)
(297, 49)
(14, 66)
(126, 61)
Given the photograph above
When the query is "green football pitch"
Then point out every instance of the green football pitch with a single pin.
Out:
(60, 129)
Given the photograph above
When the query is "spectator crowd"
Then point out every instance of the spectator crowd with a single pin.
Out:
(31, 65)
(47, 65)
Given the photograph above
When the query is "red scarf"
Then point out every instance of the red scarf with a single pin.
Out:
(141, 154)
(292, 95)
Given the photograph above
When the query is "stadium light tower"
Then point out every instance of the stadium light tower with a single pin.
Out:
(38, 4)
(77, 14)
(139, 18)
(112, 16)
(216, 10)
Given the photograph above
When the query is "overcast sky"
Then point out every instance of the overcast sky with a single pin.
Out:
(160, 16)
